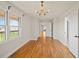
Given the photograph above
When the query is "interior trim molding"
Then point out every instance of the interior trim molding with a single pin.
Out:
(11, 52)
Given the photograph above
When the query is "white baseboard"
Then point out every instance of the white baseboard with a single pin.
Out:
(11, 52)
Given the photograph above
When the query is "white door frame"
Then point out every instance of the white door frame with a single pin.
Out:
(51, 21)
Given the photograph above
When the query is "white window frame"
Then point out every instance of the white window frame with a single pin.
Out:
(7, 26)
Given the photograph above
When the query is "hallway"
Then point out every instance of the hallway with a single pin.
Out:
(43, 49)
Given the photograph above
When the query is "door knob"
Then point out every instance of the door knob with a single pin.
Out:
(77, 36)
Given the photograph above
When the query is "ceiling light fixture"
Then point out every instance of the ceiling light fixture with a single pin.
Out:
(42, 11)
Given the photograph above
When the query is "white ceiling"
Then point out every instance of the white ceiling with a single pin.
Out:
(56, 7)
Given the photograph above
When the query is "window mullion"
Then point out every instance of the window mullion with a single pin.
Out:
(20, 26)
(19, 29)
(7, 24)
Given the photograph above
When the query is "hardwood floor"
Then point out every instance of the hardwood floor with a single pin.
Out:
(43, 49)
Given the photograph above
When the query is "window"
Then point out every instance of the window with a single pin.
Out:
(14, 27)
(2, 26)
(9, 27)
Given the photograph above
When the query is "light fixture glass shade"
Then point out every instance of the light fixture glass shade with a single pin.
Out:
(42, 11)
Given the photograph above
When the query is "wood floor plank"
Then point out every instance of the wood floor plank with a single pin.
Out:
(43, 49)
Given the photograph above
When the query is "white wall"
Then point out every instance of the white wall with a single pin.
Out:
(34, 28)
(10, 46)
(59, 29)
(26, 28)
(59, 24)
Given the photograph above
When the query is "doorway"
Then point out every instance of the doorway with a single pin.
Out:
(72, 33)
(47, 26)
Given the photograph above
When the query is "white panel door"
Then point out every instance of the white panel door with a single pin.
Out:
(73, 32)
(47, 26)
